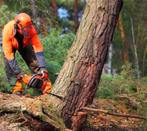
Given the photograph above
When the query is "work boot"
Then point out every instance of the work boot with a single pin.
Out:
(17, 89)
(47, 88)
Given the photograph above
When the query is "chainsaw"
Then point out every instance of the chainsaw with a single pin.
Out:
(39, 82)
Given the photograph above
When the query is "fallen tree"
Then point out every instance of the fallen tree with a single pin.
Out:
(77, 81)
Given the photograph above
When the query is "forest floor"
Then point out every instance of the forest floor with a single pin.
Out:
(101, 121)
(129, 105)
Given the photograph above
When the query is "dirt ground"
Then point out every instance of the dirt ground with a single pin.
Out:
(104, 122)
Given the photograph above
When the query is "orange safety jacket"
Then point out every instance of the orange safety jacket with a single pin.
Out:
(10, 43)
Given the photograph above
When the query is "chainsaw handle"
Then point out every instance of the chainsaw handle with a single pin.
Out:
(35, 81)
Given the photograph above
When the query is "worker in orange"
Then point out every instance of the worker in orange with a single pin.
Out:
(20, 35)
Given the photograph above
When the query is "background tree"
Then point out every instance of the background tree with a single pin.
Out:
(54, 6)
(138, 16)
(76, 21)
(124, 39)
(34, 13)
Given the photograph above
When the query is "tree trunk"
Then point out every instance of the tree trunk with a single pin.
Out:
(80, 75)
(110, 60)
(1, 2)
(54, 6)
(76, 14)
(124, 40)
(136, 61)
(33, 6)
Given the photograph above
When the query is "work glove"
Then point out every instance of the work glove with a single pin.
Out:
(26, 78)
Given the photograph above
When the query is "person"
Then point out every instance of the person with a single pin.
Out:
(20, 35)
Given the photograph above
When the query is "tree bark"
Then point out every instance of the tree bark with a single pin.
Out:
(135, 50)
(110, 60)
(80, 75)
(33, 6)
(124, 39)
(54, 6)
(1, 2)
(79, 78)
(76, 14)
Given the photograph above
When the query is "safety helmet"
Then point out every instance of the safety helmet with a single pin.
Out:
(23, 20)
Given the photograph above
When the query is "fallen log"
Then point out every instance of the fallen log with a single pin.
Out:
(27, 112)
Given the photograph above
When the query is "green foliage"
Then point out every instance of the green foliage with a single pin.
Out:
(55, 48)
(105, 87)
(32, 91)
(123, 83)
(5, 15)
(22, 63)
(4, 86)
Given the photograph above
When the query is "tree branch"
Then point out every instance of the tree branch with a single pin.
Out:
(114, 114)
